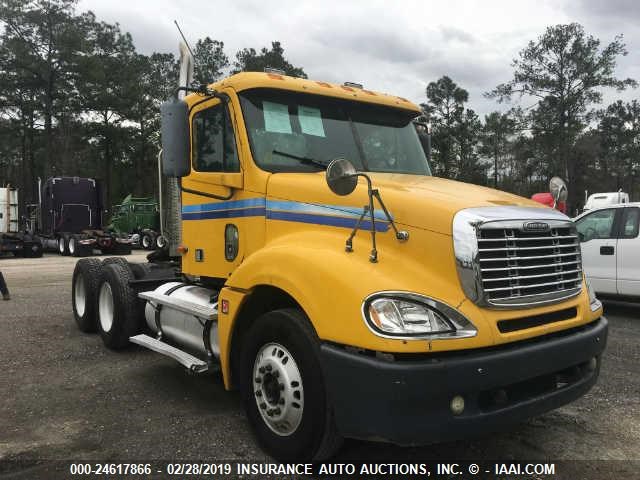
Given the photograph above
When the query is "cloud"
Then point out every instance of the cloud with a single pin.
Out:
(395, 48)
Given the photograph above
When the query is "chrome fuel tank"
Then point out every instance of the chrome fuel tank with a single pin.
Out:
(183, 329)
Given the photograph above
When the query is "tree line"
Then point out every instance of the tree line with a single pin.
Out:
(76, 98)
(554, 126)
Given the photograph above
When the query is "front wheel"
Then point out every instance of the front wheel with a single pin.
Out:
(283, 388)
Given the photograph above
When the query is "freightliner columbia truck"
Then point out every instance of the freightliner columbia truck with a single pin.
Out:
(338, 285)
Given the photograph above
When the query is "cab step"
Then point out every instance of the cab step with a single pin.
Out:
(193, 364)
(200, 311)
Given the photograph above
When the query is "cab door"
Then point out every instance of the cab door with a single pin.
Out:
(598, 245)
(216, 210)
(628, 256)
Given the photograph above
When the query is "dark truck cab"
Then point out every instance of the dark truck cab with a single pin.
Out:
(72, 216)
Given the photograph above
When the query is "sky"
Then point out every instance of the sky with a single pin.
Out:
(394, 47)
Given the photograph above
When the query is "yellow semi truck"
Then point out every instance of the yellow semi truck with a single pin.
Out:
(344, 290)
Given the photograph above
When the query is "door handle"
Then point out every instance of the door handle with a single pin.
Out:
(606, 250)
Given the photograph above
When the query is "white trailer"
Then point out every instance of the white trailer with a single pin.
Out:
(12, 240)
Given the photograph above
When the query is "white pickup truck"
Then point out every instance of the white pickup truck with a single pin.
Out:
(597, 200)
(610, 247)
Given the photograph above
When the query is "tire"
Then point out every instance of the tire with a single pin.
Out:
(121, 249)
(283, 341)
(161, 242)
(118, 307)
(76, 249)
(140, 270)
(63, 245)
(36, 249)
(116, 260)
(147, 241)
(84, 288)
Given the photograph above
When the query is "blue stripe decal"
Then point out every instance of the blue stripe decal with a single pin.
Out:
(239, 212)
(320, 209)
(325, 220)
(332, 215)
(208, 207)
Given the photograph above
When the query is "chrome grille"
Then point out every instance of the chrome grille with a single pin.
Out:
(518, 266)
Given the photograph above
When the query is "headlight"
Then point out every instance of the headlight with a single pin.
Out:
(412, 316)
(593, 301)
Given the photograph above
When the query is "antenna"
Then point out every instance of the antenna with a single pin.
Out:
(184, 38)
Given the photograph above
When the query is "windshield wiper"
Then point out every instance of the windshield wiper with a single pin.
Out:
(305, 160)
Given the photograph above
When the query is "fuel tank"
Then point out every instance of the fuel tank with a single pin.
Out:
(183, 329)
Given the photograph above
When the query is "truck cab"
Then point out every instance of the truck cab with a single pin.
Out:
(343, 289)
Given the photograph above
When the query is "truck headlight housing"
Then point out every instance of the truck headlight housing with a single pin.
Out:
(408, 315)
(594, 303)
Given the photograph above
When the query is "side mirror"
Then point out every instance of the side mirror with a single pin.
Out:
(425, 141)
(175, 138)
(341, 176)
(558, 189)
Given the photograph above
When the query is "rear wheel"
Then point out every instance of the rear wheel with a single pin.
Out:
(37, 249)
(86, 276)
(161, 242)
(147, 241)
(116, 260)
(63, 245)
(118, 308)
(77, 249)
(283, 388)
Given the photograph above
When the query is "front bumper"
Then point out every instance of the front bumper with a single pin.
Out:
(407, 402)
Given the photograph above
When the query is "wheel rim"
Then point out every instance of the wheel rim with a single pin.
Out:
(277, 388)
(146, 241)
(72, 246)
(105, 307)
(79, 295)
(160, 242)
(61, 245)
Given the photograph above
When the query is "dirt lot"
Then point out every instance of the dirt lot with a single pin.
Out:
(64, 397)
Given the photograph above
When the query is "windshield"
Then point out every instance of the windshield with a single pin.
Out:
(296, 132)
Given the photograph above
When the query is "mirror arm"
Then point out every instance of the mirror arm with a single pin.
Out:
(373, 257)
(205, 194)
(400, 235)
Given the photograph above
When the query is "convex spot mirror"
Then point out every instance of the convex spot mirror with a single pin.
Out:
(174, 115)
(341, 176)
(558, 189)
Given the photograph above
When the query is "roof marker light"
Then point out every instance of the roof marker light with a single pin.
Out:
(353, 85)
(274, 70)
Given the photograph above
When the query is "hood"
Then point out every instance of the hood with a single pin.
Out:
(412, 200)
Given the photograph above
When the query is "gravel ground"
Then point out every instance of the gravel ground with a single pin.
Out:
(66, 398)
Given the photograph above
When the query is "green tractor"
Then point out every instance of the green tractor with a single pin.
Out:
(139, 218)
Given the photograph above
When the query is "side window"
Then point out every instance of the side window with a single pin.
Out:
(214, 144)
(598, 224)
(630, 224)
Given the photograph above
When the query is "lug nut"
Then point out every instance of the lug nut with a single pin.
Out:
(277, 411)
(258, 380)
(270, 412)
(276, 374)
(263, 406)
(258, 393)
(261, 370)
(457, 405)
(268, 367)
